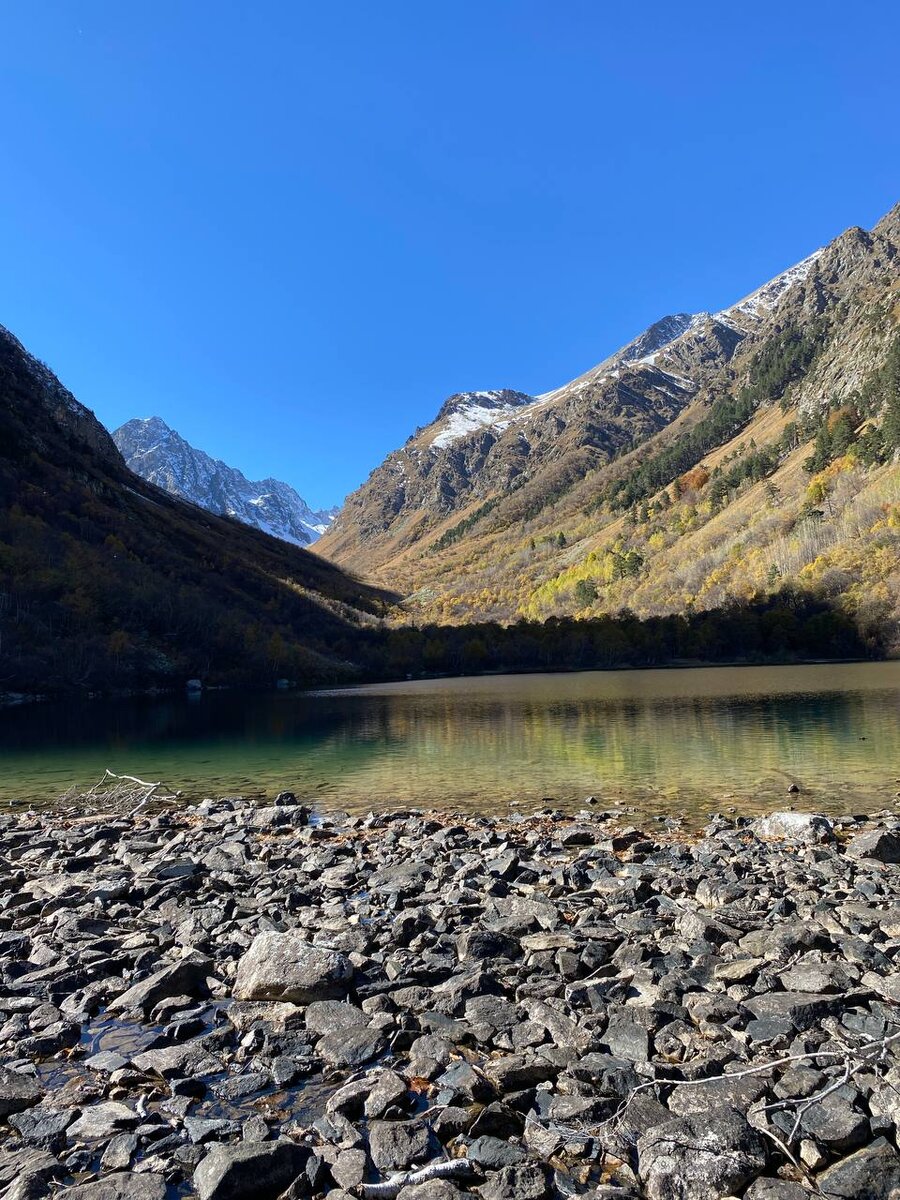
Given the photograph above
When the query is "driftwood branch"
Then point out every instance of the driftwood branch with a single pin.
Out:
(456, 1168)
(850, 1059)
(115, 793)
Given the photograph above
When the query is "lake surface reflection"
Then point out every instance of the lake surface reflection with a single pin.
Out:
(662, 740)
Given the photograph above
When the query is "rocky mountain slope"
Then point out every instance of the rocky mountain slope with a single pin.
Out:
(107, 581)
(716, 457)
(160, 455)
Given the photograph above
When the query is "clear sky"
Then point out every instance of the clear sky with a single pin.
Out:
(291, 229)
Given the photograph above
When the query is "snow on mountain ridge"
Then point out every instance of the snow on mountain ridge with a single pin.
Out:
(162, 456)
(766, 297)
(467, 412)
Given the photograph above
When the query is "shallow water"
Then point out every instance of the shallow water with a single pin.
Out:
(661, 740)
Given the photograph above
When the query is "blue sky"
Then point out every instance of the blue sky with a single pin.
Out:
(291, 229)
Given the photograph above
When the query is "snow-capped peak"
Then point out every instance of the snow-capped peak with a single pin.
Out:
(465, 412)
(765, 298)
(160, 455)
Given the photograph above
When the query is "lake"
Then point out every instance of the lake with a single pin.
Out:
(663, 741)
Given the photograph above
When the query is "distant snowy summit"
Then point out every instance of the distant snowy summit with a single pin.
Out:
(160, 455)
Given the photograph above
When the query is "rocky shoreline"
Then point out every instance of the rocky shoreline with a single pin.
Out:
(237, 1001)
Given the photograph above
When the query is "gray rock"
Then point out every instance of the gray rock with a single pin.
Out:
(208, 1129)
(699, 1158)
(492, 1152)
(350, 1047)
(882, 845)
(389, 1090)
(802, 1009)
(184, 978)
(835, 1124)
(397, 1144)
(257, 1170)
(870, 1174)
(483, 944)
(28, 1174)
(525, 1181)
(42, 1126)
(434, 1189)
(17, 1092)
(776, 1189)
(125, 1185)
(282, 966)
(514, 1072)
(332, 1016)
(118, 1154)
(349, 1168)
(101, 1121)
(703, 1097)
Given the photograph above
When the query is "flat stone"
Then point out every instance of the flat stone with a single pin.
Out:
(208, 1129)
(482, 944)
(835, 1124)
(512, 1073)
(282, 966)
(125, 1185)
(185, 978)
(802, 1009)
(42, 1127)
(101, 1121)
(702, 1097)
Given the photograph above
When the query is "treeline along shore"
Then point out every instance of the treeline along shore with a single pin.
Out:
(234, 1001)
(789, 627)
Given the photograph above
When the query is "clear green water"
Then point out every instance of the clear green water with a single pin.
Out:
(663, 741)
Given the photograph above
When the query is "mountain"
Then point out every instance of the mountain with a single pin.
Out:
(161, 456)
(717, 457)
(106, 581)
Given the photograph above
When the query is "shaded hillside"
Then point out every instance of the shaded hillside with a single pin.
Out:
(715, 459)
(107, 581)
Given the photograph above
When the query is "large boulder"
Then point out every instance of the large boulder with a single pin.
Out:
(282, 966)
(794, 826)
(700, 1157)
(257, 1170)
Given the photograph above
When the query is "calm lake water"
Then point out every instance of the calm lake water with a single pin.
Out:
(664, 741)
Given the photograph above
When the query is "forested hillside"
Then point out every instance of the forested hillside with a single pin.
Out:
(717, 459)
(106, 581)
